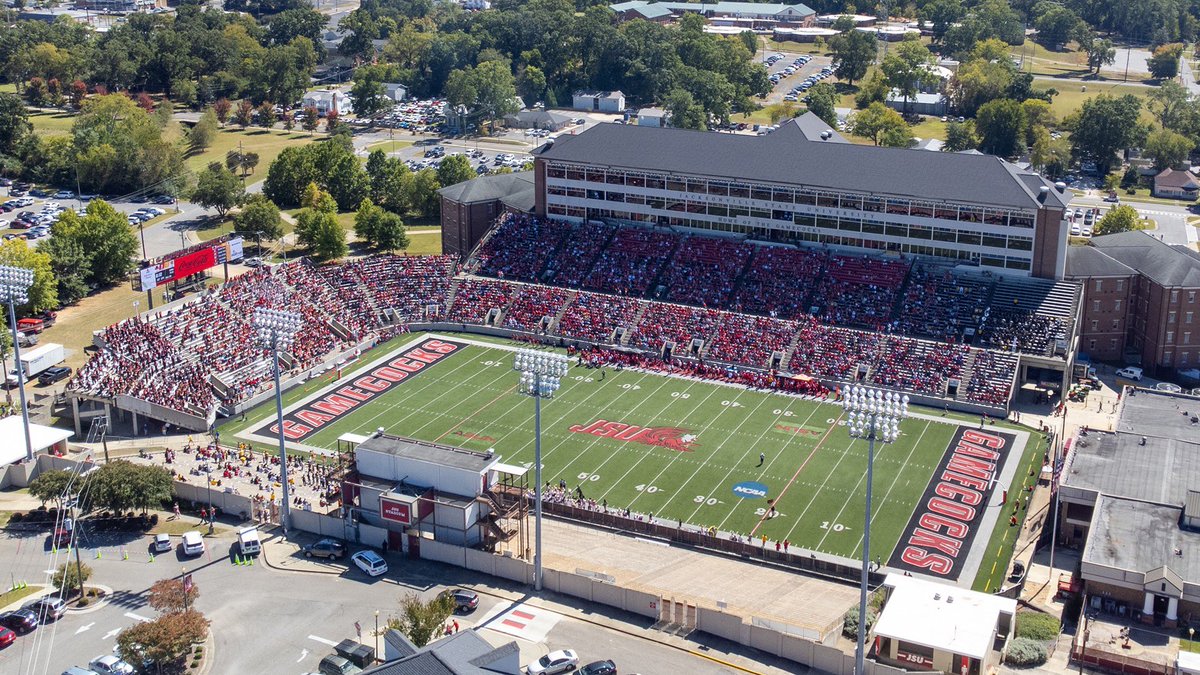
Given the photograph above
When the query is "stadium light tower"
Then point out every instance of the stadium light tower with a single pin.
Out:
(875, 415)
(14, 289)
(541, 374)
(276, 328)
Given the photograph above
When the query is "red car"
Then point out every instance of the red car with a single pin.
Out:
(7, 637)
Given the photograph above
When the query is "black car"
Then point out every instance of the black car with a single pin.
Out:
(606, 667)
(164, 199)
(326, 548)
(20, 621)
(55, 374)
(464, 601)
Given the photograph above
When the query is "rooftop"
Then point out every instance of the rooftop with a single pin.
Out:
(787, 157)
(1140, 537)
(946, 618)
(432, 453)
(505, 186)
(1163, 263)
(1162, 470)
(1089, 261)
(463, 653)
(758, 8)
(1173, 178)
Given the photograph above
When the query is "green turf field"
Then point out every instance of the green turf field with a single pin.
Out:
(811, 467)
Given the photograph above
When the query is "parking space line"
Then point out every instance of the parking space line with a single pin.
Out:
(322, 640)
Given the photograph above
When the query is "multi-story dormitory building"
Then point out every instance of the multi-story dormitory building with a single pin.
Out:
(804, 183)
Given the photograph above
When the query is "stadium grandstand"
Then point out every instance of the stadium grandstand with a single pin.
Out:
(805, 320)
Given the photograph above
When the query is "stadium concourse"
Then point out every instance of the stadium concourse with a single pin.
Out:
(720, 307)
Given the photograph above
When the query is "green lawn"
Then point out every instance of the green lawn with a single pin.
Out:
(389, 146)
(1069, 62)
(930, 127)
(17, 594)
(52, 124)
(812, 468)
(267, 143)
(1071, 95)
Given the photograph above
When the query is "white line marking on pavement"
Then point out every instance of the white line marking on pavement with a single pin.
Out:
(322, 640)
(303, 655)
(137, 617)
(111, 634)
(85, 627)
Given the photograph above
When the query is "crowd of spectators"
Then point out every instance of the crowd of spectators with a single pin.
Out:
(334, 289)
(594, 316)
(632, 261)
(778, 280)
(412, 288)
(859, 291)
(940, 304)
(833, 353)
(519, 247)
(991, 377)
(915, 365)
(662, 323)
(531, 304)
(1018, 330)
(705, 270)
(750, 340)
(476, 297)
(600, 357)
(570, 264)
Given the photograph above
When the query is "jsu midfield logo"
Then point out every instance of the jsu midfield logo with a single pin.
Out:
(673, 438)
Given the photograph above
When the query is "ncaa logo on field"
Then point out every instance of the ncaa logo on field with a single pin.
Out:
(750, 490)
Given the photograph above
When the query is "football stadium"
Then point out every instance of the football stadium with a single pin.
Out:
(710, 354)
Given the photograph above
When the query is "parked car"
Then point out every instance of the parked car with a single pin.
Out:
(464, 601)
(605, 667)
(326, 548)
(19, 620)
(1130, 373)
(110, 665)
(559, 661)
(48, 609)
(370, 562)
(7, 637)
(55, 374)
(162, 543)
(193, 543)
(76, 670)
(337, 665)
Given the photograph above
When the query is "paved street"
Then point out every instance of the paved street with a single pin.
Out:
(1171, 218)
(284, 619)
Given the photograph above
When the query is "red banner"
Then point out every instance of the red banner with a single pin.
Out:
(397, 512)
(195, 262)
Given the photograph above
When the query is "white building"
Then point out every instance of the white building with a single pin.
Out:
(652, 117)
(926, 625)
(395, 91)
(328, 100)
(599, 101)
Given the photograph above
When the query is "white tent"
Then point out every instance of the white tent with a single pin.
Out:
(12, 438)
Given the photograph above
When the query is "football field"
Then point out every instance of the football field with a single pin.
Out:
(707, 454)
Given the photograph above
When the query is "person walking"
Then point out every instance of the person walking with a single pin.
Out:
(762, 457)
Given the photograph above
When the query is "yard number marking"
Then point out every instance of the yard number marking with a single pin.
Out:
(836, 527)
(642, 487)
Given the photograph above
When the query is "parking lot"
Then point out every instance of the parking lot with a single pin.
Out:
(794, 74)
(27, 212)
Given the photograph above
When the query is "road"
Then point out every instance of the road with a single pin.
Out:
(1171, 219)
(270, 621)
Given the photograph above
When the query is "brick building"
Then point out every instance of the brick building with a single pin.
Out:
(469, 208)
(1141, 301)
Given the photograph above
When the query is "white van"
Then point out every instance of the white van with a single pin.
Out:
(1130, 373)
(248, 542)
(193, 543)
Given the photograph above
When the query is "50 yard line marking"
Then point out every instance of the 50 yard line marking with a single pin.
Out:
(803, 464)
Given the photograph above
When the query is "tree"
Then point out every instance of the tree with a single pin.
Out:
(172, 595)
(684, 112)
(244, 114)
(43, 295)
(221, 107)
(822, 102)
(287, 177)
(1104, 126)
(289, 122)
(14, 122)
(78, 93)
(1057, 25)
(368, 91)
(1167, 148)
(204, 132)
(853, 51)
(1164, 64)
(1172, 106)
(872, 91)
(266, 115)
(421, 193)
(1100, 53)
(54, 485)
(942, 14)
(882, 125)
(421, 621)
(122, 486)
(907, 67)
(120, 148)
(390, 233)
(488, 89)
(328, 239)
(1001, 127)
(332, 119)
(455, 169)
(311, 119)
(1049, 155)
(259, 217)
(218, 188)
(163, 640)
(1122, 218)
(70, 577)
(960, 136)
(69, 262)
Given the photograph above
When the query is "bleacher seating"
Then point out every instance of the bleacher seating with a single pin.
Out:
(778, 281)
(906, 364)
(594, 316)
(570, 265)
(476, 297)
(663, 323)
(704, 270)
(859, 291)
(940, 304)
(519, 247)
(751, 340)
(631, 261)
(531, 304)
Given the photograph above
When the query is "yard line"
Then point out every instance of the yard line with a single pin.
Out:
(896, 479)
(782, 452)
(671, 461)
(716, 450)
(466, 419)
(862, 479)
(801, 468)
